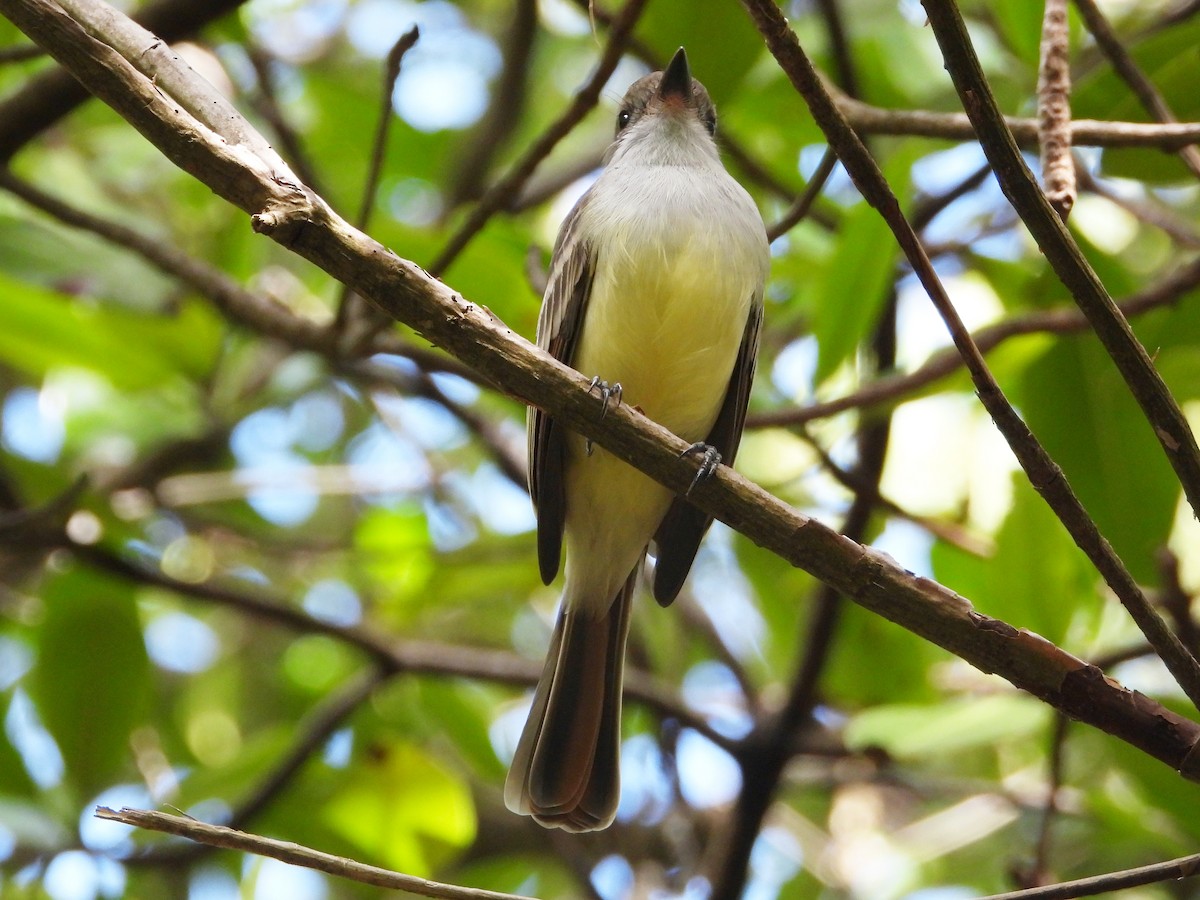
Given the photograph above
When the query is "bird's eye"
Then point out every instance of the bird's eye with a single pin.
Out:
(710, 121)
(623, 118)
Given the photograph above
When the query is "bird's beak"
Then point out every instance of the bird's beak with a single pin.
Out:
(677, 78)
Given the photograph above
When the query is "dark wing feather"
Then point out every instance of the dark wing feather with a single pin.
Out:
(683, 527)
(572, 268)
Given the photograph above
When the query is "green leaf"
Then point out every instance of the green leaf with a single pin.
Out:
(899, 660)
(41, 330)
(1036, 579)
(721, 43)
(1080, 409)
(544, 877)
(403, 808)
(852, 287)
(398, 553)
(911, 732)
(91, 678)
(1169, 58)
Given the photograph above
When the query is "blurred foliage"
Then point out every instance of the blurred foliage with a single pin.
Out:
(224, 467)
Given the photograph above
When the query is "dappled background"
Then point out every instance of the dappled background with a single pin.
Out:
(273, 567)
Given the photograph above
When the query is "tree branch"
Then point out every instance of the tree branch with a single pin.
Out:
(295, 854)
(55, 93)
(1162, 412)
(867, 119)
(1054, 109)
(1043, 473)
(307, 225)
(1173, 870)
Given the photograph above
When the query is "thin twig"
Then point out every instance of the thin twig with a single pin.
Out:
(295, 854)
(1067, 320)
(1162, 412)
(949, 532)
(392, 656)
(312, 733)
(391, 72)
(503, 191)
(1173, 870)
(20, 53)
(357, 321)
(798, 210)
(1054, 781)
(309, 228)
(266, 104)
(1054, 109)
(1174, 598)
(867, 119)
(1043, 473)
(1143, 88)
(505, 110)
(273, 320)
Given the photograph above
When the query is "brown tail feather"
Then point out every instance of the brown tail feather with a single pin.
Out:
(565, 772)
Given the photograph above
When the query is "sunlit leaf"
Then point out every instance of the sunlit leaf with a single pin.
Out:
(403, 808)
(910, 732)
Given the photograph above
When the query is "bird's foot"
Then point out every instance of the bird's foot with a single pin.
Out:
(608, 394)
(710, 458)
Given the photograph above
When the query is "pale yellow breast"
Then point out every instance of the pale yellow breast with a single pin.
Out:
(665, 319)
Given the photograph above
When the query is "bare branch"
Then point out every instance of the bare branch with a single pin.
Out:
(869, 578)
(505, 110)
(295, 854)
(1162, 412)
(1124, 64)
(312, 732)
(867, 119)
(1043, 473)
(1054, 109)
(500, 194)
(1173, 870)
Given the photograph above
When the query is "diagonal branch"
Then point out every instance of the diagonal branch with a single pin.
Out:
(1152, 101)
(1161, 411)
(296, 855)
(307, 225)
(1043, 473)
(505, 190)
(1172, 870)
(54, 94)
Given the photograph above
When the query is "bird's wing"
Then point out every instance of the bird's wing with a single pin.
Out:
(572, 269)
(678, 537)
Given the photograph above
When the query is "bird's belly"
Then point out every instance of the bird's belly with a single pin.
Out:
(667, 326)
(666, 314)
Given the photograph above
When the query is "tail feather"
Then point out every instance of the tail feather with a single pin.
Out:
(565, 772)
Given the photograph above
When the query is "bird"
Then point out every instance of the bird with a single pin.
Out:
(656, 289)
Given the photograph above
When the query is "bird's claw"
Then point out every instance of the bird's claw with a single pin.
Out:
(710, 458)
(607, 393)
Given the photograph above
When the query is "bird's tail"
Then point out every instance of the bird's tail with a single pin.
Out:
(565, 772)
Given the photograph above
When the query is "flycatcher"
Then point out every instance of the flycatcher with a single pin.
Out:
(656, 286)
